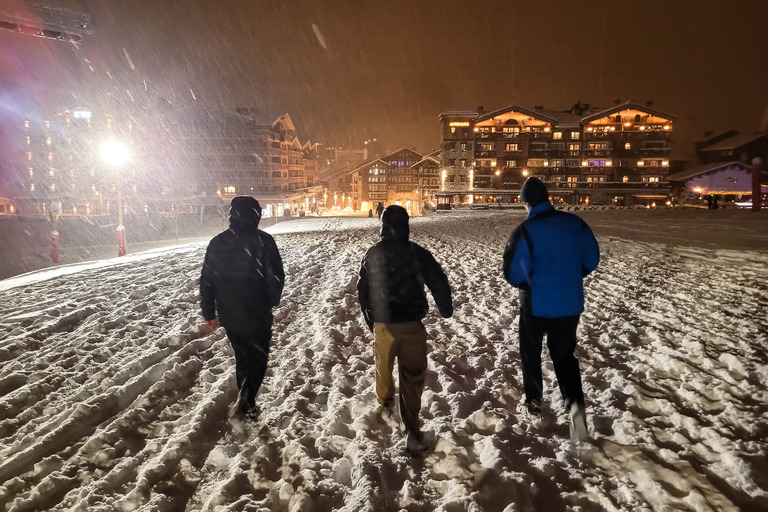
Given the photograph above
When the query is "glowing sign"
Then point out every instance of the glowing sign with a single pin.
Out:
(81, 114)
(458, 123)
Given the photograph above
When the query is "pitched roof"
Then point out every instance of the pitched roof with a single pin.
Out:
(403, 148)
(563, 119)
(368, 164)
(735, 141)
(457, 113)
(705, 169)
(624, 106)
(425, 160)
(517, 108)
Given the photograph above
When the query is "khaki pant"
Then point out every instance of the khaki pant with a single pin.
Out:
(408, 342)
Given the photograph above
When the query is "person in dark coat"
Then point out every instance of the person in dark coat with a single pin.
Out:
(380, 210)
(393, 301)
(242, 280)
(546, 258)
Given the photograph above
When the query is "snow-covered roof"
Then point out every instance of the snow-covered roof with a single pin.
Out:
(517, 108)
(624, 106)
(735, 142)
(705, 169)
(458, 113)
(563, 119)
(426, 159)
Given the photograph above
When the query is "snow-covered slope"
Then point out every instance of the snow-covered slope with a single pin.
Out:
(110, 399)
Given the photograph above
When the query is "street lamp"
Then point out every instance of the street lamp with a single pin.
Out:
(115, 154)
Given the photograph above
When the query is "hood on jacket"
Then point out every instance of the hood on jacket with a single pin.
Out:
(244, 214)
(394, 223)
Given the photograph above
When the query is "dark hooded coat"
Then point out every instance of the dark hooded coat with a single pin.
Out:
(393, 275)
(242, 277)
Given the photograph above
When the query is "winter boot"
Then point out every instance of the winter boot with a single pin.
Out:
(577, 422)
(415, 444)
(531, 410)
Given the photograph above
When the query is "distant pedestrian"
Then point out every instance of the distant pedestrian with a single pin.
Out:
(546, 258)
(380, 210)
(242, 280)
(370, 213)
(392, 297)
(709, 202)
(714, 203)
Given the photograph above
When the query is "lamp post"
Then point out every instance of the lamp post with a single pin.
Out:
(115, 154)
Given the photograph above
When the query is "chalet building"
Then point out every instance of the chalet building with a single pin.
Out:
(617, 156)
(179, 160)
(404, 177)
(733, 146)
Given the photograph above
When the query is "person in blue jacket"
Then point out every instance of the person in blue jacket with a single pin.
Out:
(547, 258)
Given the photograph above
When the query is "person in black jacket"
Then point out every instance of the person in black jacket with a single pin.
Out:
(547, 258)
(242, 280)
(392, 298)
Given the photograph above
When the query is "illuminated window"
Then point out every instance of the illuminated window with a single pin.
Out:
(48, 141)
(574, 146)
(26, 124)
(627, 146)
(512, 147)
(31, 171)
(32, 187)
(52, 172)
(557, 163)
(625, 179)
(229, 190)
(453, 129)
(650, 179)
(557, 135)
(510, 163)
(53, 187)
(575, 135)
(50, 156)
(29, 140)
(29, 155)
(463, 162)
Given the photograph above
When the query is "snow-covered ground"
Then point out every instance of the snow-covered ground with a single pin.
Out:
(110, 399)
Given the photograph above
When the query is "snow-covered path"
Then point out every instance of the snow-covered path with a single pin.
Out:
(111, 400)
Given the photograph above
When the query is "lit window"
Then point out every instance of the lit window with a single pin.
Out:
(575, 135)
(48, 141)
(53, 187)
(627, 146)
(574, 146)
(511, 147)
(510, 163)
(50, 156)
(26, 124)
(29, 155)
(52, 172)
(29, 140)
(557, 135)
(625, 179)
(453, 129)
(32, 187)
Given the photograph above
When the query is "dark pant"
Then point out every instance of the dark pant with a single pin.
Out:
(561, 341)
(251, 355)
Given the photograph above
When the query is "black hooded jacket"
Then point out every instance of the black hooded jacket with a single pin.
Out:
(393, 275)
(242, 277)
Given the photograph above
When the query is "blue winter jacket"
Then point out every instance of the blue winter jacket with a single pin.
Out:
(547, 257)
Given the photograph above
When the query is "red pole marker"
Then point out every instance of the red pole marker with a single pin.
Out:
(54, 246)
(121, 240)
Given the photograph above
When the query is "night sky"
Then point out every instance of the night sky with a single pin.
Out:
(348, 70)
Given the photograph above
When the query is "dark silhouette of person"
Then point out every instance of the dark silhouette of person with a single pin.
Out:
(379, 210)
(242, 280)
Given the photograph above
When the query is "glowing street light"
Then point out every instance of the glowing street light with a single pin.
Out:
(115, 154)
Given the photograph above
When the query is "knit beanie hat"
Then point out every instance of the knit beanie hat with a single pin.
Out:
(534, 192)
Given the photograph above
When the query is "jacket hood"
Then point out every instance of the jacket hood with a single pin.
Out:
(244, 214)
(394, 223)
